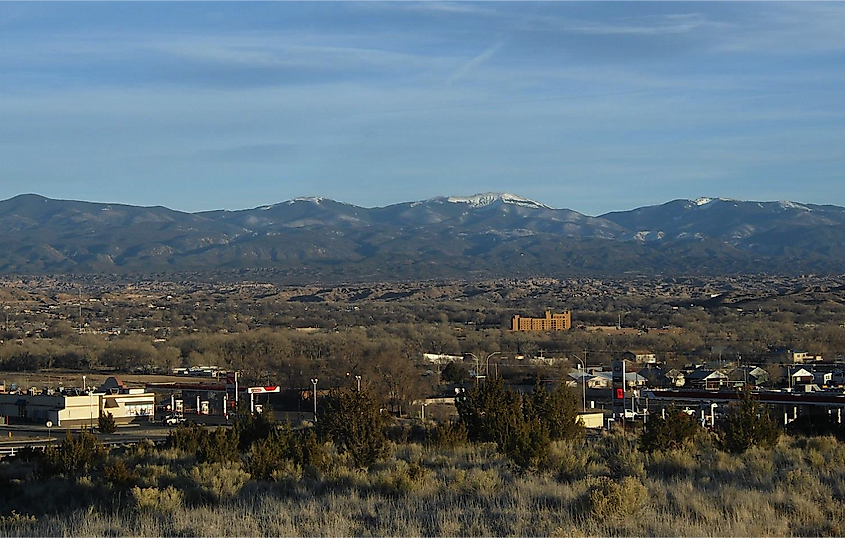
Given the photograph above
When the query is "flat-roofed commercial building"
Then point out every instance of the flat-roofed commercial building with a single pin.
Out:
(126, 405)
(551, 322)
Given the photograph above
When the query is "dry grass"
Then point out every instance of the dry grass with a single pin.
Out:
(598, 489)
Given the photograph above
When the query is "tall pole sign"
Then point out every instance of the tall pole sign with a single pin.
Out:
(232, 386)
(618, 378)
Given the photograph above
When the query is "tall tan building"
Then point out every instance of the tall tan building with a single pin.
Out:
(552, 322)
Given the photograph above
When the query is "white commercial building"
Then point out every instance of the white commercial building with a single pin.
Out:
(64, 409)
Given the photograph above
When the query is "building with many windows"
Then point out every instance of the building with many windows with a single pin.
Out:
(551, 322)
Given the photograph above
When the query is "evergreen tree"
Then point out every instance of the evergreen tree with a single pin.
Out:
(670, 433)
(748, 424)
(521, 426)
(354, 422)
(487, 409)
(454, 373)
(106, 423)
(252, 427)
(557, 411)
(73, 456)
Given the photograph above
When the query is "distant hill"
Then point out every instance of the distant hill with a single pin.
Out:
(491, 234)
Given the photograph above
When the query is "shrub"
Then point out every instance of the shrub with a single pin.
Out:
(312, 453)
(454, 373)
(14, 519)
(353, 421)
(486, 409)
(271, 454)
(617, 455)
(402, 479)
(74, 456)
(557, 411)
(167, 500)
(748, 424)
(668, 433)
(119, 475)
(252, 427)
(218, 445)
(569, 462)
(521, 426)
(106, 423)
(607, 498)
(447, 434)
(185, 438)
(218, 481)
(209, 445)
(527, 445)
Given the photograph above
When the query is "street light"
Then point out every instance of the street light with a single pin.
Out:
(90, 403)
(358, 380)
(91, 408)
(474, 356)
(314, 382)
(487, 362)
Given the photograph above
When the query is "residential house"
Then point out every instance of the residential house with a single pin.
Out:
(642, 356)
(633, 380)
(823, 378)
(707, 379)
(676, 377)
(659, 377)
(792, 356)
(750, 375)
(801, 376)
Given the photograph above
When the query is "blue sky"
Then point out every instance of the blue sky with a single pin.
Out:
(593, 107)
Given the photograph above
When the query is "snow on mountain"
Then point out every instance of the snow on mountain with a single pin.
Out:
(648, 236)
(705, 201)
(490, 198)
(793, 205)
(312, 199)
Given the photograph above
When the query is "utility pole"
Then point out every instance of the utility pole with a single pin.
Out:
(79, 299)
(236, 392)
(582, 365)
(314, 382)
(584, 381)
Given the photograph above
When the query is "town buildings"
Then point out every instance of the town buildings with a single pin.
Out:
(78, 408)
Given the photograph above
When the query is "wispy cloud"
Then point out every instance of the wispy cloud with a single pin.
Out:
(786, 28)
(475, 62)
(433, 7)
(655, 25)
(597, 93)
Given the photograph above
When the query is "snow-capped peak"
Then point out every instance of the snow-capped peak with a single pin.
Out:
(793, 205)
(705, 200)
(489, 198)
(312, 199)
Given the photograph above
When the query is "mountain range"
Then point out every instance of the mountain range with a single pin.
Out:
(491, 234)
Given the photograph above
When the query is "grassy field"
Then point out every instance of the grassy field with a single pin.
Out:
(601, 487)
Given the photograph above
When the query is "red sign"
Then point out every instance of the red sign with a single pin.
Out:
(262, 390)
(620, 394)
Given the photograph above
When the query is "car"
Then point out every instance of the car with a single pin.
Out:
(173, 420)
